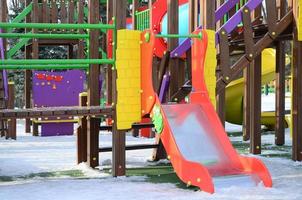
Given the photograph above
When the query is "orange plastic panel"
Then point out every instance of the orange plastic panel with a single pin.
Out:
(148, 95)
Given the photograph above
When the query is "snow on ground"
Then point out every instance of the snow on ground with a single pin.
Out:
(30, 155)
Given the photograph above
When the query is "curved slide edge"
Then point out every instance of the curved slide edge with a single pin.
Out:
(256, 167)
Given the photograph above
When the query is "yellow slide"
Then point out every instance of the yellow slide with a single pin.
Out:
(235, 91)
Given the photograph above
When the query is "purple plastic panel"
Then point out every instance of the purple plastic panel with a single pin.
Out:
(56, 129)
(183, 47)
(101, 80)
(4, 74)
(236, 19)
(225, 8)
(164, 88)
(57, 89)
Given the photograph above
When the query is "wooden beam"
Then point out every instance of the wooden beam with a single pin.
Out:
(59, 112)
(27, 86)
(150, 6)
(280, 84)
(82, 132)
(249, 53)
(296, 97)
(118, 137)
(255, 106)
(81, 45)
(34, 55)
(12, 124)
(135, 6)
(193, 24)
(174, 70)
(246, 103)
(93, 86)
(176, 73)
(207, 8)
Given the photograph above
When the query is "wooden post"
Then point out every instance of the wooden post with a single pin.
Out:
(35, 127)
(118, 137)
(207, 8)
(135, 5)
(172, 44)
(280, 85)
(32, 52)
(150, 6)
(93, 123)
(174, 67)
(280, 93)
(82, 132)
(296, 94)
(246, 103)
(81, 45)
(12, 125)
(255, 106)
(193, 23)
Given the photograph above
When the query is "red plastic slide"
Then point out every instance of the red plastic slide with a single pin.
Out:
(194, 138)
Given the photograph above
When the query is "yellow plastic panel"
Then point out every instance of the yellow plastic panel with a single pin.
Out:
(128, 66)
(298, 17)
(210, 67)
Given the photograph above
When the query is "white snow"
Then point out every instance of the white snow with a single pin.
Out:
(47, 154)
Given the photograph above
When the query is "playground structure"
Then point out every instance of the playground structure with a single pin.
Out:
(145, 59)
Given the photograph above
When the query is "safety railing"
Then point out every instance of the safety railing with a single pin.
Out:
(143, 20)
(14, 64)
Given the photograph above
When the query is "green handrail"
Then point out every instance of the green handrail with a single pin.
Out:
(55, 62)
(44, 36)
(43, 67)
(180, 36)
(56, 26)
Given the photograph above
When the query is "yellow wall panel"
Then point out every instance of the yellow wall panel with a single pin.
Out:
(128, 67)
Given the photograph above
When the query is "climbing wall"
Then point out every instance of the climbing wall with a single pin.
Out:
(128, 67)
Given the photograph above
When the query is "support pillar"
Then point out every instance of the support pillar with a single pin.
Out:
(12, 124)
(174, 68)
(82, 132)
(118, 136)
(280, 93)
(296, 98)
(93, 124)
(280, 84)
(255, 106)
